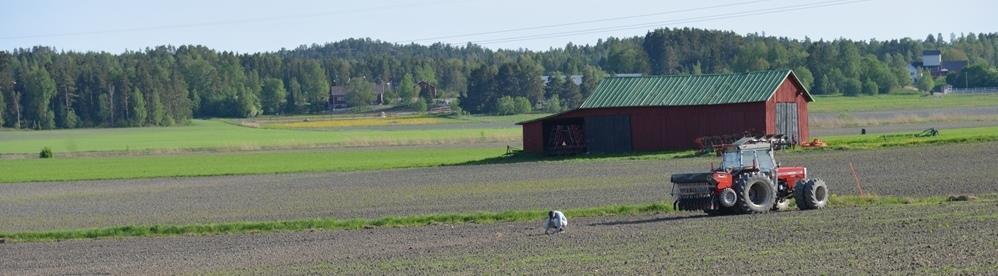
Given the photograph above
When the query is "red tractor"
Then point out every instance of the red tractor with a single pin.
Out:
(749, 180)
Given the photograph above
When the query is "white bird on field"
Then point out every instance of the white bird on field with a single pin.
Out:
(557, 221)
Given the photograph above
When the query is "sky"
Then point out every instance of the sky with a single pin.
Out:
(249, 26)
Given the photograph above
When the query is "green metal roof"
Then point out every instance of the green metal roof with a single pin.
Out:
(687, 90)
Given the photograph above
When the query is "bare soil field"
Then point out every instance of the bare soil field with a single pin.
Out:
(893, 114)
(895, 128)
(948, 238)
(910, 171)
(879, 122)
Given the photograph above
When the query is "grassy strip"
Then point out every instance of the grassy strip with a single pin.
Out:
(946, 136)
(67, 169)
(836, 201)
(878, 200)
(216, 134)
(364, 122)
(326, 224)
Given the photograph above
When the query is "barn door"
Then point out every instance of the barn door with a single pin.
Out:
(608, 134)
(786, 121)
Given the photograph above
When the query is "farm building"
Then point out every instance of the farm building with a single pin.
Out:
(671, 112)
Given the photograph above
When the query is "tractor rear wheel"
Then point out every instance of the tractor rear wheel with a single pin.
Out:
(756, 193)
(811, 194)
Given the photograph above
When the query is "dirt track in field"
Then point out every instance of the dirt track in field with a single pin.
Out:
(913, 171)
(939, 238)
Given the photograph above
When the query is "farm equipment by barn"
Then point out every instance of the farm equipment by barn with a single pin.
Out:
(816, 143)
(749, 180)
(716, 144)
(929, 132)
(566, 139)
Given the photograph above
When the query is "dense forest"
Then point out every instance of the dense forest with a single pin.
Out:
(43, 88)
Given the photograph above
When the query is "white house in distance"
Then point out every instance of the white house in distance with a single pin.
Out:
(932, 60)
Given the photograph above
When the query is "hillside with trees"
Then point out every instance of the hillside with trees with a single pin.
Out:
(43, 88)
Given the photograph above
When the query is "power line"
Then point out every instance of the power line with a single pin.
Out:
(671, 22)
(581, 22)
(231, 22)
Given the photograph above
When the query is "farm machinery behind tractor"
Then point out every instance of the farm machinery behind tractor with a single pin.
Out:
(749, 180)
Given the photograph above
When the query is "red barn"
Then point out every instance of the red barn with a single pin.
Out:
(654, 113)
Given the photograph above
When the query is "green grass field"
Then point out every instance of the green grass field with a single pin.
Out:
(898, 102)
(340, 122)
(946, 136)
(213, 134)
(203, 164)
(59, 169)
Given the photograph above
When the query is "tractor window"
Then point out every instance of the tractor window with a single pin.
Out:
(765, 159)
(761, 158)
(731, 160)
(747, 157)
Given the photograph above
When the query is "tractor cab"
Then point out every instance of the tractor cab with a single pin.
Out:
(748, 154)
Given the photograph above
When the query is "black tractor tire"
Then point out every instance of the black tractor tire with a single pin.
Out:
(811, 194)
(782, 204)
(756, 193)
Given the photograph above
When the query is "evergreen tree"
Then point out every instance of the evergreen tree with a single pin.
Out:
(553, 104)
(529, 76)
(482, 90)
(3, 103)
(570, 94)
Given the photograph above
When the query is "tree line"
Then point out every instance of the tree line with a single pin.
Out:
(43, 88)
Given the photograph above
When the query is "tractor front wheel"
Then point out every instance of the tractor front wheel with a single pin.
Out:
(756, 193)
(811, 194)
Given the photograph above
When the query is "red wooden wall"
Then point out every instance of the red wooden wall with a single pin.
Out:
(789, 92)
(533, 137)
